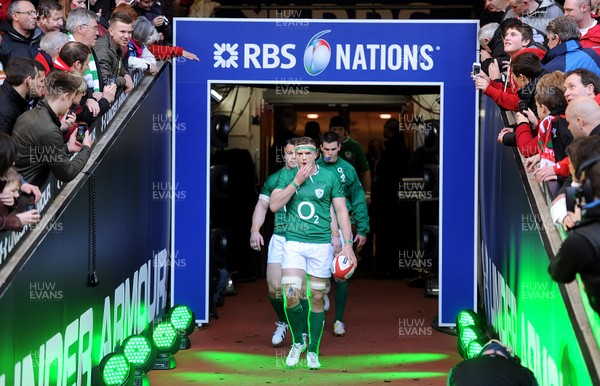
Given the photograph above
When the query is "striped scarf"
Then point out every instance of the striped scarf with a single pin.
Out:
(91, 74)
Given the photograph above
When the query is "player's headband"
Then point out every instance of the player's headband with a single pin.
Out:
(306, 147)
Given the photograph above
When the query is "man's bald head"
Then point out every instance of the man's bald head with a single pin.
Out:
(583, 115)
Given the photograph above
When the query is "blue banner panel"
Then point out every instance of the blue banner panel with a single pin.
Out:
(271, 51)
(522, 302)
(55, 328)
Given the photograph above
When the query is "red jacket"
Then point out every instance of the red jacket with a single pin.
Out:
(165, 52)
(592, 39)
(508, 99)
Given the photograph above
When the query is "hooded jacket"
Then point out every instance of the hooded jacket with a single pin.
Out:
(570, 55)
(15, 44)
(540, 17)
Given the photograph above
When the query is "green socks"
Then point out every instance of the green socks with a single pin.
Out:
(316, 322)
(294, 318)
(305, 310)
(279, 309)
(341, 294)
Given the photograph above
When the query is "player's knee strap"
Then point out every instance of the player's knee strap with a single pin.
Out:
(317, 285)
(292, 281)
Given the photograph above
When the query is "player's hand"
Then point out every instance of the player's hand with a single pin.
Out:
(303, 173)
(349, 252)
(360, 241)
(256, 241)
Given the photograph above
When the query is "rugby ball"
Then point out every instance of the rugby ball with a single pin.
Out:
(342, 267)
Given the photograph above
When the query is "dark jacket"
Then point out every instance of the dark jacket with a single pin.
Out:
(490, 371)
(580, 254)
(151, 14)
(41, 149)
(15, 44)
(12, 105)
(109, 60)
(570, 55)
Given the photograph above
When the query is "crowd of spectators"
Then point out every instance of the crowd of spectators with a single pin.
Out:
(548, 94)
(62, 66)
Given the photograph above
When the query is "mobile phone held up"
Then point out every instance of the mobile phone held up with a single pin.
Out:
(81, 129)
(72, 109)
(476, 68)
(111, 80)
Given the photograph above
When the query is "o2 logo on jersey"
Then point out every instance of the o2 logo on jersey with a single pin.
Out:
(317, 54)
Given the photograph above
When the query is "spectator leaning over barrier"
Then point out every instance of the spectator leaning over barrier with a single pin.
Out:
(109, 50)
(83, 27)
(580, 251)
(25, 79)
(50, 45)
(581, 12)
(10, 218)
(536, 13)
(566, 52)
(20, 35)
(74, 57)
(581, 82)
(50, 16)
(140, 58)
(40, 145)
(583, 115)
(517, 41)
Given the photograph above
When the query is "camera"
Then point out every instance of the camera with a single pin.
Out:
(81, 129)
(523, 106)
(111, 80)
(476, 68)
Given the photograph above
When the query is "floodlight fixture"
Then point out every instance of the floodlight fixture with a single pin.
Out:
(141, 352)
(116, 370)
(167, 341)
(184, 320)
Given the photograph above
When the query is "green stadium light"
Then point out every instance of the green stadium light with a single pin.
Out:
(116, 370)
(167, 340)
(469, 328)
(184, 320)
(140, 352)
(475, 346)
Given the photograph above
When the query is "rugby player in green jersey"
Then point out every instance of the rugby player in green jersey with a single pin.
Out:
(308, 192)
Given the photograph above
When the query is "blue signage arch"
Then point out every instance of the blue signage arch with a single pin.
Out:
(353, 52)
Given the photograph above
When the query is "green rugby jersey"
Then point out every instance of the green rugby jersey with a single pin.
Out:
(355, 194)
(309, 208)
(279, 224)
